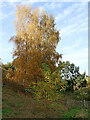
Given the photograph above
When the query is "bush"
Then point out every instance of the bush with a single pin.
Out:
(50, 87)
(82, 93)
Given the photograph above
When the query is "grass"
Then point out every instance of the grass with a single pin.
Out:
(73, 112)
(17, 104)
(6, 110)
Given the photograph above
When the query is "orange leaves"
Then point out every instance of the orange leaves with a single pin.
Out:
(36, 39)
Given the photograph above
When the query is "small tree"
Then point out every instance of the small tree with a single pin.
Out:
(51, 86)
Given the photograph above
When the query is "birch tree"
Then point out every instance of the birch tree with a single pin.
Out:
(36, 40)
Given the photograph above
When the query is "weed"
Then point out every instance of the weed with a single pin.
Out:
(6, 110)
(5, 101)
(72, 113)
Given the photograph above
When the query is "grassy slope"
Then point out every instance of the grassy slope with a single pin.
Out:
(17, 104)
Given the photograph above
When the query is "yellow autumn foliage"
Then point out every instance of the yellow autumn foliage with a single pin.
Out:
(36, 40)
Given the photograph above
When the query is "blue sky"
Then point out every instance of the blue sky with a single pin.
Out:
(71, 20)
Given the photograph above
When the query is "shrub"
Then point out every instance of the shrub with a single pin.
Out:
(50, 86)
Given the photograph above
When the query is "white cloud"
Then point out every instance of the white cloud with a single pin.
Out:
(11, 1)
(75, 45)
(79, 58)
(3, 16)
(66, 12)
(48, 0)
(51, 6)
(6, 54)
(76, 13)
(72, 24)
(74, 28)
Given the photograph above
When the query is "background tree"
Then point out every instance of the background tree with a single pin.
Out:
(36, 40)
(5, 68)
(71, 74)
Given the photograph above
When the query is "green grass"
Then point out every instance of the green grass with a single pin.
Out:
(72, 113)
(19, 103)
(5, 101)
(6, 110)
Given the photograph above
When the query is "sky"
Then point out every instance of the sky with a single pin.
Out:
(71, 20)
